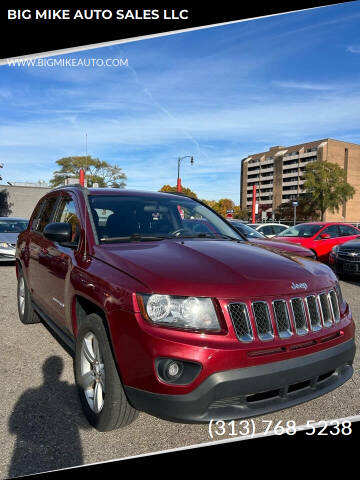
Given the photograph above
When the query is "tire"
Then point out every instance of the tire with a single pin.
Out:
(27, 314)
(100, 389)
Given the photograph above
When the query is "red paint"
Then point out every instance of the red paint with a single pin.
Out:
(110, 275)
(320, 243)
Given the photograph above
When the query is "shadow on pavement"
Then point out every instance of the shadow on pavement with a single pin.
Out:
(46, 421)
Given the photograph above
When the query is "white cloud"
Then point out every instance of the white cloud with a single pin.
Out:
(353, 49)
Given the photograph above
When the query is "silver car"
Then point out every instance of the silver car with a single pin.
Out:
(10, 227)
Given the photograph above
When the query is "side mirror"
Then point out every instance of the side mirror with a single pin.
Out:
(325, 236)
(60, 232)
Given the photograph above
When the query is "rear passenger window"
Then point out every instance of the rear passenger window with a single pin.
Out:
(45, 214)
(347, 231)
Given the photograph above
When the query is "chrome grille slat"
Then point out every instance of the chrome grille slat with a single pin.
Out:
(299, 316)
(325, 309)
(262, 320)
(314, 314)
(334, 306)
(240, 318)
(282, 318)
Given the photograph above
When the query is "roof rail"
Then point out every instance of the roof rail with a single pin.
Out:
(75, 185)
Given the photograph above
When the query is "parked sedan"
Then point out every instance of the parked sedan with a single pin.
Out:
(254, 236)
(345, 259)
(9, 230)
(320, 237)
(269, 229)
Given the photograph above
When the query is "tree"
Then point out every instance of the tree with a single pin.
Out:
(5, 206)
(225, 204)
(326, 183)
(306, 210)
(186, 191)
(97, 171)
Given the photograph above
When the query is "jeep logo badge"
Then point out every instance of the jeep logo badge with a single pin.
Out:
(295, 286)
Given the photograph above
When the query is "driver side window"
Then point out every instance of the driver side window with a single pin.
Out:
(332, 230)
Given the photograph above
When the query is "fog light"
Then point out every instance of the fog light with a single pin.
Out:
(173, 370)
(178, 372)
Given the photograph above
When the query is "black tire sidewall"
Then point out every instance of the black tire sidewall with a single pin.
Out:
(114, 399)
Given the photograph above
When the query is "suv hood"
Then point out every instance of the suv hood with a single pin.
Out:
(214, 268)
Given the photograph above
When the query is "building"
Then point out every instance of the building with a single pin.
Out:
(278, 174)
(22, 199)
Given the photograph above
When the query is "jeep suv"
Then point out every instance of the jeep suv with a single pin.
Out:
(187, 326)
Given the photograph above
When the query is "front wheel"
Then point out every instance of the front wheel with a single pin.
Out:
(100, 389)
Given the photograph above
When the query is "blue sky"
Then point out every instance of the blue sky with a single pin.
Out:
(219, 94)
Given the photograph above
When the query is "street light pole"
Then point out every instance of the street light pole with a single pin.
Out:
(178, 186)
(295, 204)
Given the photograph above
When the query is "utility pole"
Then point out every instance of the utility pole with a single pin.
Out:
(178, 184)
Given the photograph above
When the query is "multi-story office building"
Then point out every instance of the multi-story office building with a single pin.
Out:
(279, 174)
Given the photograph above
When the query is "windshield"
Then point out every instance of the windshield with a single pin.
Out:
(147, 217)
(13, 226)
(247, 231)
(302, 230)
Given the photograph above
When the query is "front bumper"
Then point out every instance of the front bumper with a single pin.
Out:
(342, 266)
(252, 391)
(7, 255)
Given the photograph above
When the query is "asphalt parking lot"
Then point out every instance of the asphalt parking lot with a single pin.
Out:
(42, 426)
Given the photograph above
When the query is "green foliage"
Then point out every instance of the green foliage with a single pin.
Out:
(186, 191)
(225, 204)
(5, 205)
(326, 183)
(306, 210)
(97, 171)
(220, 206)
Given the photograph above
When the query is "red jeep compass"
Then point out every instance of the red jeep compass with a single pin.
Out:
(188, 326)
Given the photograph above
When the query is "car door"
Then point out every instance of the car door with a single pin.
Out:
(38, 246)
(325, 245)
(59, 260)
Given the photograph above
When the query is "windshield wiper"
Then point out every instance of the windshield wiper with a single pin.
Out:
(135, 237)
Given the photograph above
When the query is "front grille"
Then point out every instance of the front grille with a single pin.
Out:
(334, 306)
(284, 318)
(314, 314)
(241, 321)
(349, 253)
(325, 309)
(299, 316)
(262, 320)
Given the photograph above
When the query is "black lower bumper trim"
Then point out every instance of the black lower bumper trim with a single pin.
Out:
(252, 391)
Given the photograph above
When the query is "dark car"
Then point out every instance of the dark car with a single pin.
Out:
(187, 326)
(344, 259)
(258, 238)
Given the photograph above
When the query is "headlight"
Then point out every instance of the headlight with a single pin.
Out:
(335, 249)
(185, 313)
(5, 245)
